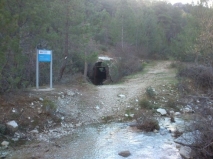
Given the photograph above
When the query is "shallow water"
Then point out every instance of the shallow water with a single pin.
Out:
(105, 141)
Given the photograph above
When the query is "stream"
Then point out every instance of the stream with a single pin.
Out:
(106, 141)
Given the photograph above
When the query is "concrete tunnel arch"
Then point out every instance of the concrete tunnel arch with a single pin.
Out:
(98, 73)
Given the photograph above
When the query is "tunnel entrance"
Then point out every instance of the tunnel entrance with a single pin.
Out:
(100, 73)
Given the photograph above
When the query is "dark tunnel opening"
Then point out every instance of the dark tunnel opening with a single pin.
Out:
(99, 73)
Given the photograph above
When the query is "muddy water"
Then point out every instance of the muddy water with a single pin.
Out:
(105, 141)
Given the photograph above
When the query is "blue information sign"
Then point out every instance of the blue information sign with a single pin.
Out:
(44, 55)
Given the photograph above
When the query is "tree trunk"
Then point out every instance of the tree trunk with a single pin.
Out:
(122, 34)
(85, 69)
(66, 44)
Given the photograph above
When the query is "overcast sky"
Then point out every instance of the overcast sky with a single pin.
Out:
(182, 1)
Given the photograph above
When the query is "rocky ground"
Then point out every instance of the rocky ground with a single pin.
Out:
(44, 115)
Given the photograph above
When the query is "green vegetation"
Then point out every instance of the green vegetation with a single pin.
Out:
(172, 104)
(146, 121)
(149, 125)
(146, 104)
(150, 92)
(49, 107)
(78, 31)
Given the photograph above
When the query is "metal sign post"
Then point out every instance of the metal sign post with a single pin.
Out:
(43, 56)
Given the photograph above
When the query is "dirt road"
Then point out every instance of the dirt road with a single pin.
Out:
(93, 103)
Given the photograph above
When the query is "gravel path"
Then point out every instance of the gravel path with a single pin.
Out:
(113, 100)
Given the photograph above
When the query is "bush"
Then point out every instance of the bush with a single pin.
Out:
(201, 75)
(172, 104)
(2, 129)
(49, 107)
(146, 122)
(202, 122)
(127, 62)
(129, 113)
(150, 92)
(201, 127)
(175, 65)
(144, 103)
(144, 64)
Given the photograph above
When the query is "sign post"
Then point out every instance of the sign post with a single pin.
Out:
(43, 56)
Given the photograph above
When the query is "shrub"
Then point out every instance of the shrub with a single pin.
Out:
(150, 92)
(202, 128)
(174, 65)
(129, 113)
(144, 64)
(172, 104)
(148, 125)
(49, 107)
(2, 129)
(107, 119)
(201, 75)
(146, 122)
(204, 142)
(144, 103)
(127, 62)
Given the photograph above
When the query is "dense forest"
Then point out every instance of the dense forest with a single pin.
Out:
(78, 31)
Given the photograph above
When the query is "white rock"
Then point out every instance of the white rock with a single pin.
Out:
(209, 117)
(97, 107)
(39, 111)
(78, 125)
(172, 112)
(104, 58)
(70, 93)
(15, 139)
(186, 110)
(34, 131)
(177, 113)
(13, 110)
(5, 143)
(12, 124)
(185, 151)
(41, 99)
(188, 138)
(155, 131)
(132, 115)
(162, 111)
(121, 96)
